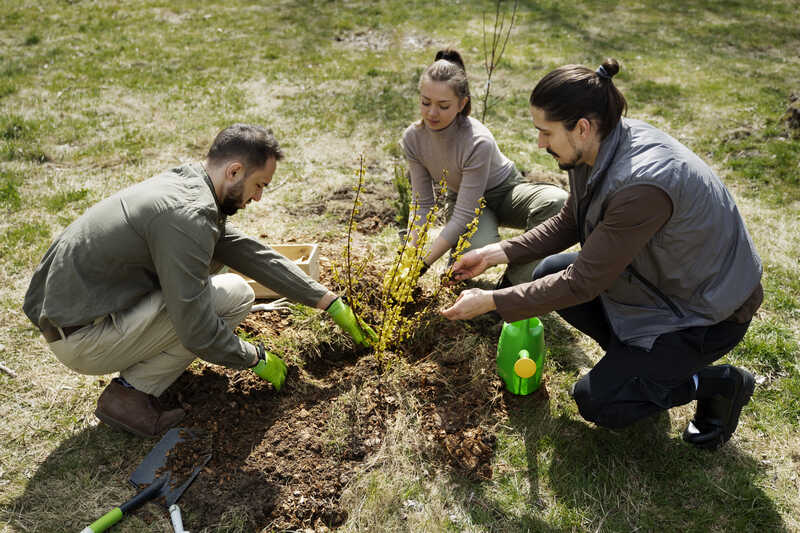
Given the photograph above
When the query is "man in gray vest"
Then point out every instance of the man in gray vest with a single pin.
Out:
(667, 279)
(128, 286)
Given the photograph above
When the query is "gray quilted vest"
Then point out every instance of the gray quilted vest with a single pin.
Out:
(697, 269)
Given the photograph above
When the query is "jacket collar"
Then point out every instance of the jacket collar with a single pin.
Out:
(608, 149)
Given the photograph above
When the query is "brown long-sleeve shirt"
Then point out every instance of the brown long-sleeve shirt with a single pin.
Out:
(632, 218)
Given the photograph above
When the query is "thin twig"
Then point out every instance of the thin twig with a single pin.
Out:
(387, 288)
(7, 370)
(508, 33)
(350, 225)
(490, 64)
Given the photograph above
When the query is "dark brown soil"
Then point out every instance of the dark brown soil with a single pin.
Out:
(274, 458)
(374, 214)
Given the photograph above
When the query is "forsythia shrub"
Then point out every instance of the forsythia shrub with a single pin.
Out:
(402, 277)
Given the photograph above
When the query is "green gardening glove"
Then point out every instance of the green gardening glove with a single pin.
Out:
(346, 319)
(270, 367)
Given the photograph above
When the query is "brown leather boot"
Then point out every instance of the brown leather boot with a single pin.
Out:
(135, 411)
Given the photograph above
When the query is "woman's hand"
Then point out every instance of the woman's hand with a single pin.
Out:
(470, 303)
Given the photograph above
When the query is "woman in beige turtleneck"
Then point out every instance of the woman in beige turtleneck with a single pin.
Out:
(448, 142)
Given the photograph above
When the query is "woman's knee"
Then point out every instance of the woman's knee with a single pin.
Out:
(547, 206)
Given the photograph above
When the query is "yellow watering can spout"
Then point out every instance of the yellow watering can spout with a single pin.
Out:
(525, 367)
(520, 355)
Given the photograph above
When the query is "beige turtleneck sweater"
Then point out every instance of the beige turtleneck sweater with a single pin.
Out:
(468, 153)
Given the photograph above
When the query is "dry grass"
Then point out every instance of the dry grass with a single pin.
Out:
(112, 95)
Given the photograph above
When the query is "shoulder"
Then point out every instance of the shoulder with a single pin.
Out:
(181, 194)
(414, 137)
(476, 127)
(413, 133)
(477, 134)
(476, 138)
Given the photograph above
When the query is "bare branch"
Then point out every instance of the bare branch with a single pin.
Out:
(491, 58)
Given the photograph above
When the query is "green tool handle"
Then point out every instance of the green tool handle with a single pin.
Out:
(104, 522)
(115, 514)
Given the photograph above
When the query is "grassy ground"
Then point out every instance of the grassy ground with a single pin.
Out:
(94, 97)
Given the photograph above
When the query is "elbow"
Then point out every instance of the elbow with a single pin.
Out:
(584, 290)
(584, 294)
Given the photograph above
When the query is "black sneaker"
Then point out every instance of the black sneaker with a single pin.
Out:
(722, 393)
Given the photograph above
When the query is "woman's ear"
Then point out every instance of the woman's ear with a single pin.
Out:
(463, 104)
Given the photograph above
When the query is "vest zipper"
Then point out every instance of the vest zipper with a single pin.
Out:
(656, 290)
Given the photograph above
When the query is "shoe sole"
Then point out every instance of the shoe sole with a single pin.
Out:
(119, 425)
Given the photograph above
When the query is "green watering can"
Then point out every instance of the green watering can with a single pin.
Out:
(520, 355)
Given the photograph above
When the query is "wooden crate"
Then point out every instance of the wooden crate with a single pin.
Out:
(306, 256)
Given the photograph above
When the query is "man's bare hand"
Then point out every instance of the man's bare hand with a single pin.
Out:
(469, 265)
(470, 303)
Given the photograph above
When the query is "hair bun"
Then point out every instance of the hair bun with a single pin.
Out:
(451, 55)
(611, 66)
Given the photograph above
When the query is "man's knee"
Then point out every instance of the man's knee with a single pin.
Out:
(232, 295)
(611, 415)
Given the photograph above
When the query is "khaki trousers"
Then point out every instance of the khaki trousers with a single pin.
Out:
(141, 343)
(514, 204)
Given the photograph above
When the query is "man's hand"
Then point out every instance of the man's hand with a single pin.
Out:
(345, 318)
(470, 303)
(469, 265)
(270, 367)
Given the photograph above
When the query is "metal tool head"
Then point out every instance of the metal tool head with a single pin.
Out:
(155, 467)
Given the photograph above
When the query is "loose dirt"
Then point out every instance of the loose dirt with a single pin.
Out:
(283, 459)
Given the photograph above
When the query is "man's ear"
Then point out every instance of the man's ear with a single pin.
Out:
(234, 171)
(585, 128)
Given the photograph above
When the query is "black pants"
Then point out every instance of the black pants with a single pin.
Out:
(630, 383)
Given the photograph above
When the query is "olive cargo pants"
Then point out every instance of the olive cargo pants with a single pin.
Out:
(514, 204)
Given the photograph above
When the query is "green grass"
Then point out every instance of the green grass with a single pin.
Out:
(9, 190)
(95, 96)
(60, 201)
(21, 244)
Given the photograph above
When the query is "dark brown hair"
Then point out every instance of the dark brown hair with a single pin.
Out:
(254, 145)
(448, 67)
(572, 92)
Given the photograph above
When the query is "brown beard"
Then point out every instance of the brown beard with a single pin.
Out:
(233, 200)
